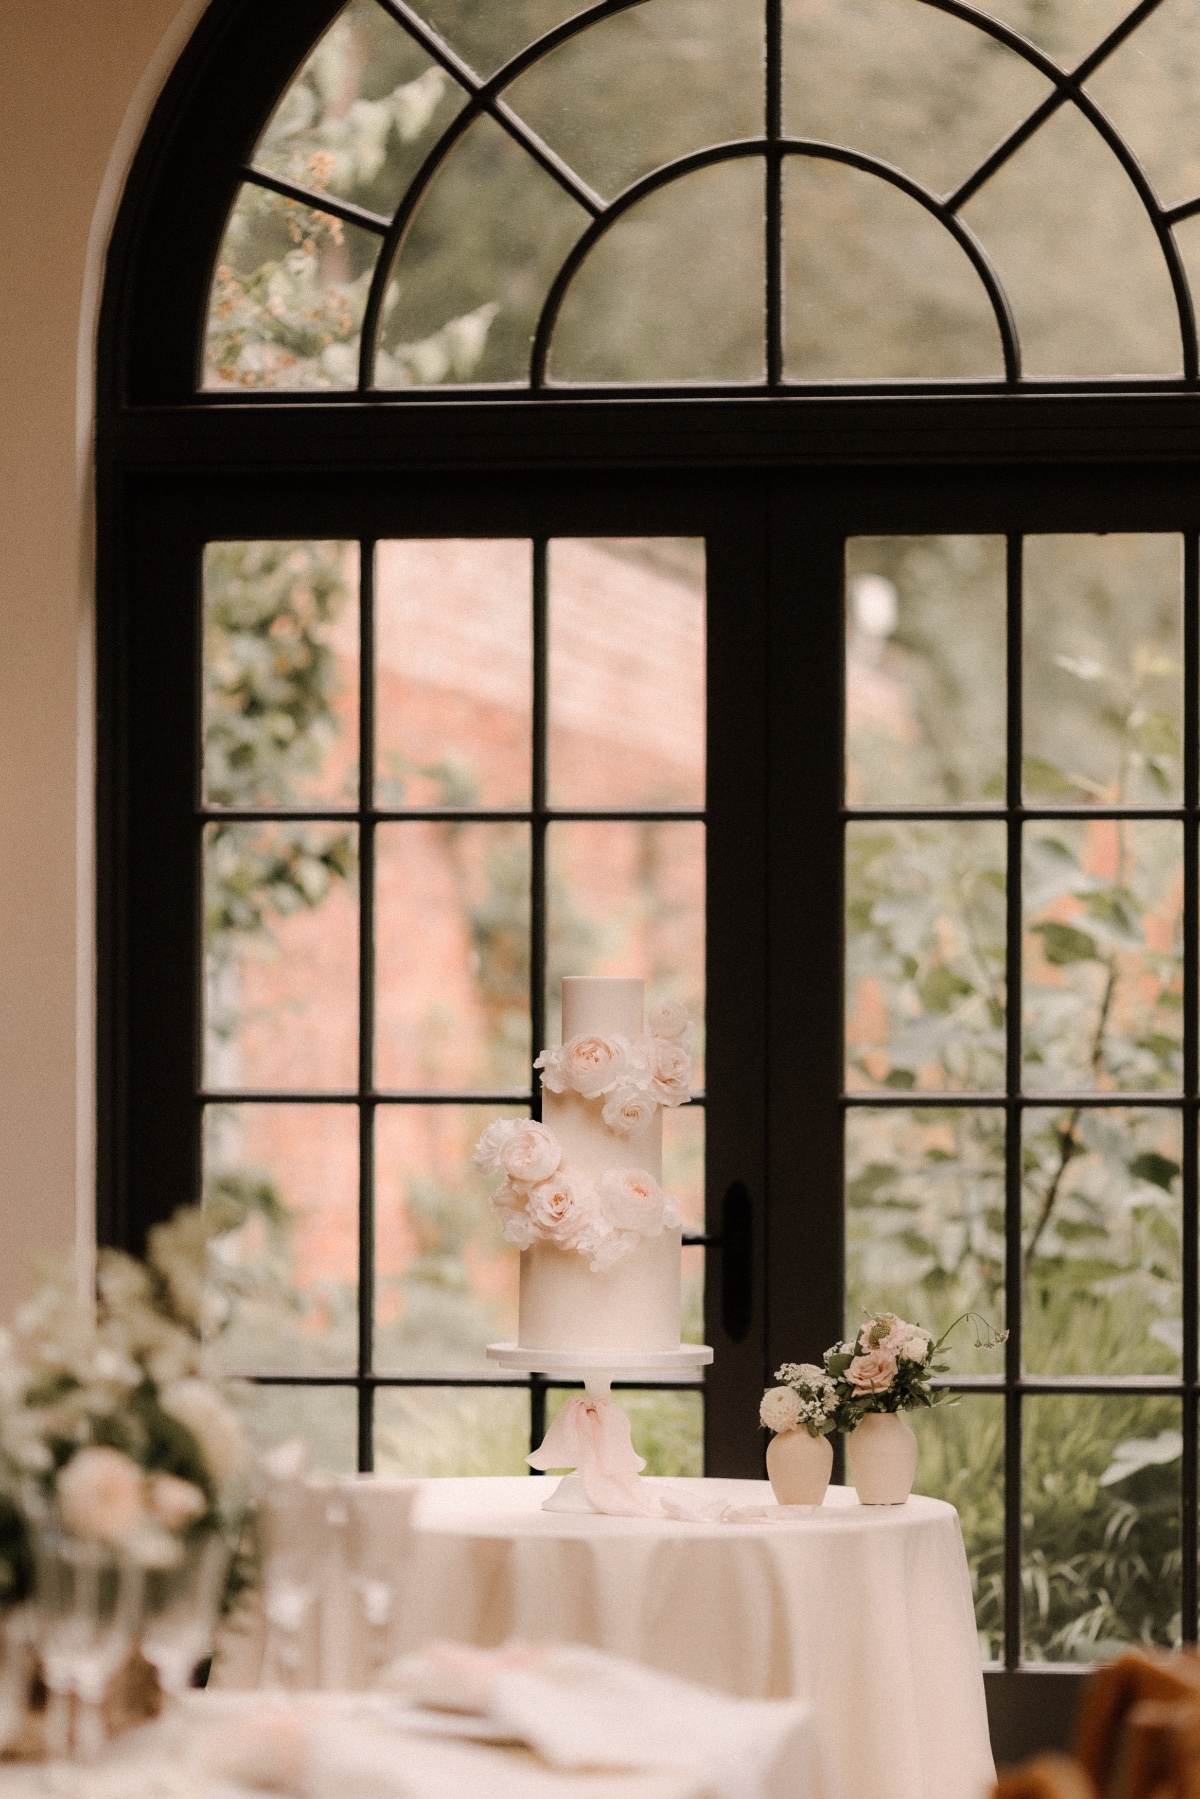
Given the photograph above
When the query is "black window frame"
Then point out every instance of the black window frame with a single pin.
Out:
(776, 481)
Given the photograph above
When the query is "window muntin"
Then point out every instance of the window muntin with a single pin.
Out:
(433, 787)
(415, 218)
(1061, 1193)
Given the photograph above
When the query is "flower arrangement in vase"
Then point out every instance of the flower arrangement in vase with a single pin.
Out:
(123, 1474)
(863, 1388)
(802, 1411)
(887, 1369)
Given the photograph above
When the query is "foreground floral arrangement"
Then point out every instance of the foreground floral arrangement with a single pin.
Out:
(112, 1428)
(541, 1200)
(888, 1367)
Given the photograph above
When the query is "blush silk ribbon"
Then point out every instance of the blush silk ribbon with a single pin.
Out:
(592, 1436)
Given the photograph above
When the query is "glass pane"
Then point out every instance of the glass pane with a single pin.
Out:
(280, 674)
(451, 956)
(598, 99)
(1100, 1228)
(914, 87)
(445, 1280)
(627, 672)
(475, 267)
(361, 114)
(667, 1427)
(961, 1460)
(1078, 257)
(875, 285)
(281, 1192)
(1148, 89)
(636, 311)
(281, 970)
(1100, 1568)
(432, 1431)
(1103, 955)
(925, 1223)
(454, 657)
(1103, 668)
(287, 301)
(486, 36)
(628, 899)
(925, 965)
(683, 1178)
(326, 1418)
(925, 660)
(1064, 29)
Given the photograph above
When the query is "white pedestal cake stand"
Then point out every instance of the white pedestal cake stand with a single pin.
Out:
(598, 1369)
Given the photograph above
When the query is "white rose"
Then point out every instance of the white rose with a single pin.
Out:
(531, 1153)
(632, 1201)
(668, 1018)
(175, 1503)
(780, 1409)
(915, 1347)
(216, 1429)
(627, 1110)
(563, 1209)
(670, 1069)
(509, 1205)
(593, 1065)
(491, 1144)
(554, 1078)
(100, 1495)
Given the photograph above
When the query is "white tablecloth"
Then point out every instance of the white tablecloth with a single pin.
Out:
(864, 1611)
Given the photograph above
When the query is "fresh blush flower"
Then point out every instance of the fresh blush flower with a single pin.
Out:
(100, 1495)
(873, 1372)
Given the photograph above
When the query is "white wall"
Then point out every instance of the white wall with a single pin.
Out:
(78, 79)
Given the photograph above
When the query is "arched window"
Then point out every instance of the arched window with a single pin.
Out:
(702, 486)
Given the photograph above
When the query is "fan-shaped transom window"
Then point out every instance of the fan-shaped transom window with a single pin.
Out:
(720, 191)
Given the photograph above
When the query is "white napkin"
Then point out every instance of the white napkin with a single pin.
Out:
(581, 1708)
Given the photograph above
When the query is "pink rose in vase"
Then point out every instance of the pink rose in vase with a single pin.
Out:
(873, 1372)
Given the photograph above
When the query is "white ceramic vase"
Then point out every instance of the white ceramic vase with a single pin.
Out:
(799, 1467)
(882, 1456)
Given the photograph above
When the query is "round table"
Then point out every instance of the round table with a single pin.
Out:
(865, 1611)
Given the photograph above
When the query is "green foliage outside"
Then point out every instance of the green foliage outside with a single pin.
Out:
(1102, 1012)
(869, 294)
(274, 738)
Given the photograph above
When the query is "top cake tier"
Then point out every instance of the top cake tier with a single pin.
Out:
(612, 1005)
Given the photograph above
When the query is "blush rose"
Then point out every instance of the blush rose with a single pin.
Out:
(873, 1372)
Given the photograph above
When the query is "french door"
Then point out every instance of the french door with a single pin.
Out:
(945, 837)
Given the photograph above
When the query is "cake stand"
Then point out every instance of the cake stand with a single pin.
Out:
(598, 1369)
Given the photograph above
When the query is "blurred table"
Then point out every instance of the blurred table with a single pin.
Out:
(865, 1611)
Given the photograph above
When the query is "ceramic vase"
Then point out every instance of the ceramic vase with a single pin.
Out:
(799, 1467)
(882, 1455)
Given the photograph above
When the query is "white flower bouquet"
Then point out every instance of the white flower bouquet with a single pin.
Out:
(112, 1428)
(889, 1366)
(806, 1400)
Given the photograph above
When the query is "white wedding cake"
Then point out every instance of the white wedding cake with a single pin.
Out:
(581, 1192)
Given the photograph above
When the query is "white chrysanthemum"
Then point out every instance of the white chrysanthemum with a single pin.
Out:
(780, 1409)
